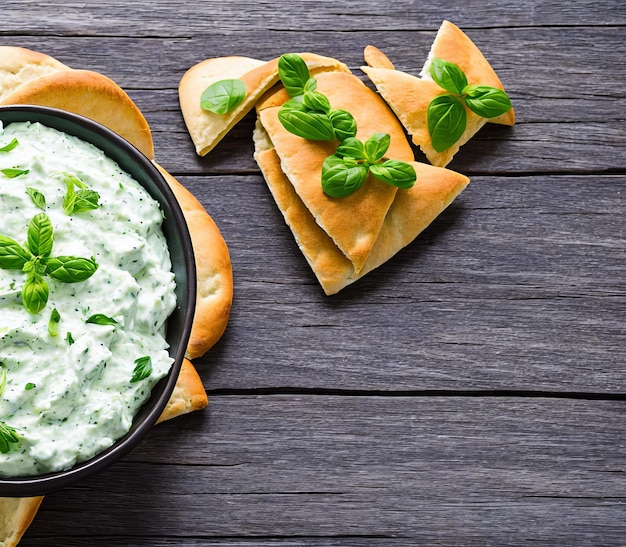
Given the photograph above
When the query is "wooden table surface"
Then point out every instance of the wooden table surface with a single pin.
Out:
(468, 392)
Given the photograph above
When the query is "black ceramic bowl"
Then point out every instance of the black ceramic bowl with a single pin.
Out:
(183, 264)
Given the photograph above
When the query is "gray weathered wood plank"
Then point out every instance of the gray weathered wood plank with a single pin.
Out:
(427, 470)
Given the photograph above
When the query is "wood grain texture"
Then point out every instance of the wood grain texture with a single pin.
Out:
(468, 392)
(425, 470)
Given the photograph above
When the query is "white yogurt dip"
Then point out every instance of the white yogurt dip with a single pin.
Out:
(69, 390)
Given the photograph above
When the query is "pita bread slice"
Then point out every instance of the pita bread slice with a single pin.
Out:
(352, 222)
(213, 270)
(89, 94)
(19, 65)
(16, 515)
(207, 128)
(410, 213)
(409, 96)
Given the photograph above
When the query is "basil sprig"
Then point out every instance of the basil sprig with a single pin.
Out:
(81, 200)
(346, 170)
(36, 262)
(447, 118)
(308, 114)
(223, 96)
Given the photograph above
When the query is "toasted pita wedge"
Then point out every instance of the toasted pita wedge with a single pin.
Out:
(409, 96)
(16, 515)
(89, 94)
(352, 222)
(213, 270)
(19, 65)
(188, 395)
(410, 213)
(207, 128)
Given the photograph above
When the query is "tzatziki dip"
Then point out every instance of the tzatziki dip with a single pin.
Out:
(86, 287)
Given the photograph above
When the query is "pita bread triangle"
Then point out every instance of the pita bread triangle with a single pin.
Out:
(207, 128)
(410, 213)
(409, 96)
(352, 222)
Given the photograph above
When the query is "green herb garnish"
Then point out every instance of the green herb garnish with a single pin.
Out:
(81, 200)
(346, 170)
(447, 118)
(3, 378)
(8, 436)
(37, 197)
(10, 146)
(29, 386)
(36, 262)
(308, 114)
(143, 369)
(12, 172)
(53, 323)
(101, 319)
(223, 96)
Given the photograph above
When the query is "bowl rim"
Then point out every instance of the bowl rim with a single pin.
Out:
(123, 152)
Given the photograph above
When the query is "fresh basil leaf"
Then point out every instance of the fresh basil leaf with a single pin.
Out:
(143, 368)
(85, 200)
(224, 96)
(10, 146)
(314, 126)
(394, 172)
(447, 120)
(8, 436)
(40, 235)
(317, 101)
(101, 319)
(35, 293)
(53, 323)
(294, 74)
(12, 172)
(70, 269)
(311, 85)
(344, 124)
(448, 75)
(297, 103)
(12, 255)
(486, 101)
(351, 148)
(340, 179)
(376, 146)
(37, 197)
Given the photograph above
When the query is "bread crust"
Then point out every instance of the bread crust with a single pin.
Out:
(19, 65)
(88, 94)
(205, 128)
(213, 272)
(16, 515)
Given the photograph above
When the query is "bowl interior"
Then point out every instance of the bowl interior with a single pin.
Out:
(183, 265)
